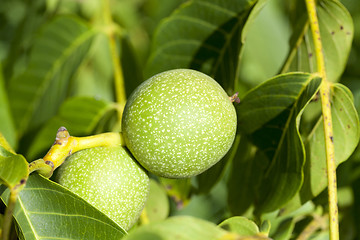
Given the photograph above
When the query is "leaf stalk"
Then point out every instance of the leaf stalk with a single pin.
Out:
(8, 216)
(325, 96)
(7, 220)
(118, 72)
(319, 222)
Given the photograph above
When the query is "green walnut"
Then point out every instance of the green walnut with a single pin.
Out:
(110, 180)
(179, 123)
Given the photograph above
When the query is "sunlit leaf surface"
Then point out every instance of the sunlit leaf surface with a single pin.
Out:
(240, 225)
(79, 115)
(13, 168)
(36, 94)
(181, 228)
(336, 30)
(202, 35)
(45, 210)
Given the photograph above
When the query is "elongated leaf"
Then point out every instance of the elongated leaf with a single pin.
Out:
(270, 114)
(285, 230)
(13, 168)
(208, 179)
(203, 35)
(45, 210)
(7, 127)
(346, 129)
(132, 71)
(336, 30)
(180, 228)
(19, 22)
(94, 76)
(36, 94)
(79, 115)
(244, 176)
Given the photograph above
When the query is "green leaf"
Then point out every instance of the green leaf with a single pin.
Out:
(240, 225)
(180, 228)
(13, 168)
(36, 94)
(79, 115)
(45, 210)
(285, 230)
(243, 177)
(131, 68)
(7, 127)
(266, 45)
(20, 21)
(336, 30)
(208, 179)
(203, 35)
(157, 206)
(94, 77)
(211, 207)
(270, 115)
(346, 129)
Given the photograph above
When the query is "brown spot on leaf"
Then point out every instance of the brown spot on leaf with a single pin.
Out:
(341, 27)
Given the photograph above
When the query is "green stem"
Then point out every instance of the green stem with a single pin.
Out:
(41, 167)
(6, 226)
(325, 97)
(317, 223)
(118, 73)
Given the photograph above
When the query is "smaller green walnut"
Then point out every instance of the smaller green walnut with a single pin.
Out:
(110, 180)
(179, 123)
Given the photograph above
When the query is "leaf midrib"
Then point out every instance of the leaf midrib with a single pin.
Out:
(229, 36)
(27, 213)
(288, 121)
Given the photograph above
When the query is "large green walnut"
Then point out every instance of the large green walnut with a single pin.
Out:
(110, 180)
(179, 123)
